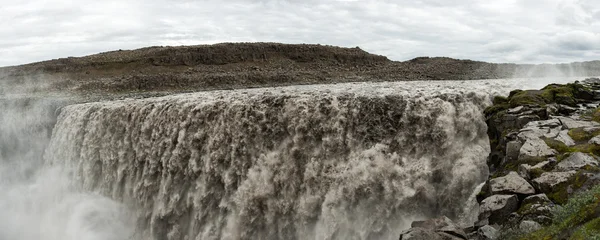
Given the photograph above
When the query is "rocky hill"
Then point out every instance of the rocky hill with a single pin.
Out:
(244, 65)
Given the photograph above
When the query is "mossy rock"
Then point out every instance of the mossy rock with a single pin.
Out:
(527, 97)
(560, 194)
(499, 100)
(564, 150)
(577, 219)
(557, 145)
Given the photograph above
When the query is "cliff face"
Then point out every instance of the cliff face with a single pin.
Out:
(544, 164)
(244, 65)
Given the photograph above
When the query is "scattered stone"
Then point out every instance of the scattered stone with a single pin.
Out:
(497, 207)
(515, 110)
(548, 182)
(512, 150)
(537, 199)
(511, 183)
(528, 172)
(551, 123)
(566, 110)
(575, 161)
(570, 123)
(563, 136)
(487, 232)
(524, 119)
(535, 149)
(537, 208)
(534, 133)
(528, 226)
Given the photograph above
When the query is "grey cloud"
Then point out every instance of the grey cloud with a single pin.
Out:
(498, 31)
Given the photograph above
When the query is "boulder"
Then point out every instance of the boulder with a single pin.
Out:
(515, 110)
(549, 181)
(535, 149)
(497, 208)
(537, 208)
(525, 119)
(563, 136)
(535, 133)
(487, 232)
(576, 161)
(550, 123)
(537, 199)
(570, 123)
(528, 172)
(512, 150)
(443, 226)
(512, 183)
(420, 234)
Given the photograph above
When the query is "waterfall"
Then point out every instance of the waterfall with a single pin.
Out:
(347, 161)
(38, 201)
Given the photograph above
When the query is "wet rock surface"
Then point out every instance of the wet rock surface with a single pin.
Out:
(544, 151)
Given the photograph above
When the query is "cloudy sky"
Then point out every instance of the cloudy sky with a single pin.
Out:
(524, 31)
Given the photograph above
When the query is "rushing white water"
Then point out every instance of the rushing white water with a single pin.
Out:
(345, 161)
(40, 202)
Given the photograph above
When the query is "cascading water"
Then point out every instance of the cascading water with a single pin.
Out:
(39, 201)
(350, 161)
(347, 161)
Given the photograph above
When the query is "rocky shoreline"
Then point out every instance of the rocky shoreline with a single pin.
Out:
(544, 169)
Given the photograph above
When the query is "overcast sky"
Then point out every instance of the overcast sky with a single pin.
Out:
(523, 31)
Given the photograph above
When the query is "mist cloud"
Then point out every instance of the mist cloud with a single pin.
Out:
(527, 31)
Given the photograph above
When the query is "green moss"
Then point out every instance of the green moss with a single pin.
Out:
(557, 145)
(495, 109)
(528, 97)
(514, 92)
(562, 94)
(587, 148)
(499, 100)
(590, 230)
(561, 192)
(578, 216)
(580, 135)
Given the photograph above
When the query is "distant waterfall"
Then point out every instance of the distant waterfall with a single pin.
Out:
(348, 161)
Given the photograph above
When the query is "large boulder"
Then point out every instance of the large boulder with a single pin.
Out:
(487, 232)
(535, 149)
(549, 181)
(444, 226)
(570, 123)
(563, 136)
(537, 208)
(512, 183)
(436, 228)
(576, 161)
(512, 150)
(497, 208)
(529, 172)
